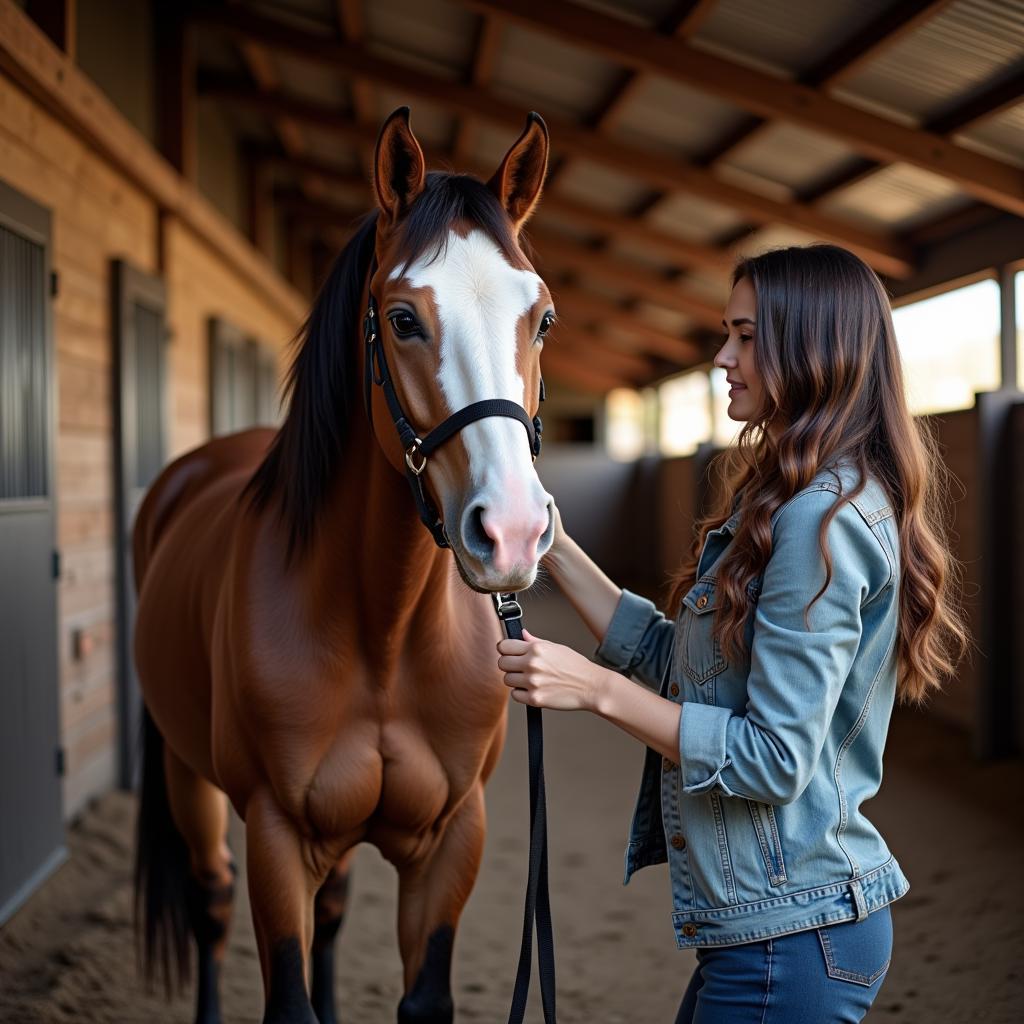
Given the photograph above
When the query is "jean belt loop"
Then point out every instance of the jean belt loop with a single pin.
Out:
(858, 899)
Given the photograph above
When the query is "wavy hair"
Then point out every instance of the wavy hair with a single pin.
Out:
(826, 351)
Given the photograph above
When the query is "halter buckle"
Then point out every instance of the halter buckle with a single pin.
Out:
(410, 452)
(507, 607)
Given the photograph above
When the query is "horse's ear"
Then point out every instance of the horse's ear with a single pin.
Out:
(399, 168)
(518, 181)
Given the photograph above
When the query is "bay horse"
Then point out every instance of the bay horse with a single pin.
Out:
(304, 648)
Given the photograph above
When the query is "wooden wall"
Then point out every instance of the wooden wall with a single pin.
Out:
(99, 215)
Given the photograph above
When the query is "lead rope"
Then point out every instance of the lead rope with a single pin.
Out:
(538, 903)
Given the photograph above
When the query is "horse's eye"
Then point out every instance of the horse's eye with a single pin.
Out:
(404, 324)
(546, 323)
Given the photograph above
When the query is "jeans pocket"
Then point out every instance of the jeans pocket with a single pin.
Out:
(858, 951)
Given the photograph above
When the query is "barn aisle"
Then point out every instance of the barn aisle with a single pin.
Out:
(67, 956)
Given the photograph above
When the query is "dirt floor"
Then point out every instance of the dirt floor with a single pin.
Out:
(954, 825)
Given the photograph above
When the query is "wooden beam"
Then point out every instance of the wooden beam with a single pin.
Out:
(176, 130)
(672, 248)
(602, 355)
(259, 206)
(58, 19)
(352, 28)
(681, 23)
(887, 28)
(670, 174)
(641, 282)
(768, 96)
(675, 250)
(30, 60)
(263, 69)
(575, 372)
(1002, 92)
(581, 307)
(485, 54)
(850, 56)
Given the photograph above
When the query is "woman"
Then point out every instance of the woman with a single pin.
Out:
(817, 593)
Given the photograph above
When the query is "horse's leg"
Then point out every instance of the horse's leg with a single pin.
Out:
(200, 812)
(283, 879)
(328, 913)
(431, 897)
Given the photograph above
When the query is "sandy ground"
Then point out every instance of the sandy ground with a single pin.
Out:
(954, 825)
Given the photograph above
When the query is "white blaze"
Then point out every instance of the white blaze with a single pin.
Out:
(479, 299)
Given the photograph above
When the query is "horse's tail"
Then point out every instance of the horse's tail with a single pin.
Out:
(161, 872)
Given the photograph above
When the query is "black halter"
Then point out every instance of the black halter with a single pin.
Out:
(418, 450)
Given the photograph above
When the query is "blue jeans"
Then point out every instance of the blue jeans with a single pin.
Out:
(827, 975)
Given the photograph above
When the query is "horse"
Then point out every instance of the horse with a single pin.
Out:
(303, 647)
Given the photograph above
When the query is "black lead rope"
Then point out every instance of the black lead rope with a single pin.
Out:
(538, 904)
(509, 611)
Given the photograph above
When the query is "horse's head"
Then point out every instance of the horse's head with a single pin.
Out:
(462, 316)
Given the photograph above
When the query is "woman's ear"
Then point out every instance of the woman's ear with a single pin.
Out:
(518, 181)
(399, 169)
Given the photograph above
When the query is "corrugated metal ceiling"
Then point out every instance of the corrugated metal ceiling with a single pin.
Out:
(951, 55)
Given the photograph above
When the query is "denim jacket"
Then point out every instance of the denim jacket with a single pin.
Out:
(760, 819)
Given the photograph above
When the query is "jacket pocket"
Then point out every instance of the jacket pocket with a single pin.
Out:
(701, 654)
(767, 831)
(858, 951)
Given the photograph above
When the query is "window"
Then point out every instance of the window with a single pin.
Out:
(950, 347)
(1018, 282)
(243, 381)
(686, 413)
(624, 418)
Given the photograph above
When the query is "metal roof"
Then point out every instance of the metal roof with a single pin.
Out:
(810, 119)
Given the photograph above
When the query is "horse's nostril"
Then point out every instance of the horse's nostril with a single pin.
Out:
(474, 536)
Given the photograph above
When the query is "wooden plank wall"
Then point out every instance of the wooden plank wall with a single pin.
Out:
(99, 215)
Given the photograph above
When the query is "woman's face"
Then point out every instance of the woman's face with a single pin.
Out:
(736, 356)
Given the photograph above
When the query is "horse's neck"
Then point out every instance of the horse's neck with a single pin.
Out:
(373, 545)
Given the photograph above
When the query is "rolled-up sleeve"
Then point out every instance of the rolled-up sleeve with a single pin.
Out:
(797, 667)
(638, 640)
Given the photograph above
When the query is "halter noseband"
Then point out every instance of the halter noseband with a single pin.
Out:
(418, 450)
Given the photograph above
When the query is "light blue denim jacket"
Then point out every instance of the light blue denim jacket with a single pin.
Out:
(760, 820)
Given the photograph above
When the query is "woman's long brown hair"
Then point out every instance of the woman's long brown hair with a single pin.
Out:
(826, 351)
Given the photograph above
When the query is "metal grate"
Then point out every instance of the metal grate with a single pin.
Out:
(23, 368)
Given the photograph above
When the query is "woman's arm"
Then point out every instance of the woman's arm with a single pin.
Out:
(589, 590)
(634, 638)
(549, 675)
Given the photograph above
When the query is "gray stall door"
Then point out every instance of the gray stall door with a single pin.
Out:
(31, 829)
(140, 426)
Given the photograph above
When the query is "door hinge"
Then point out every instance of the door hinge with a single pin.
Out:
(54, 284)
(60, 762)
(55, 565)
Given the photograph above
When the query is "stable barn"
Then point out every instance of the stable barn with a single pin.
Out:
(175, 181)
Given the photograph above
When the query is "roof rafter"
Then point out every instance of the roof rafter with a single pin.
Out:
(885, 253)
(884, 31)
(679, 252)
(991, 180)
(485, 54)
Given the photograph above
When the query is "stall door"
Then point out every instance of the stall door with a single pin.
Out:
(243, 381)
(140, 425)
(31, 829)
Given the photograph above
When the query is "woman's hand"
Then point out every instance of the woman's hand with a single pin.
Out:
(544, 674)
(558, 541)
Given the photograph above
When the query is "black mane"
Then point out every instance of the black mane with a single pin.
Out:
(321, 386)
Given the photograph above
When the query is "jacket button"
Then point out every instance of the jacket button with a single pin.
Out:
(674, 689)
(702, 601)
(689, 929)
(668, 764)
(678, 842)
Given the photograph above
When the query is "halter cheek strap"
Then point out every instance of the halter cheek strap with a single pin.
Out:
(418, 450)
